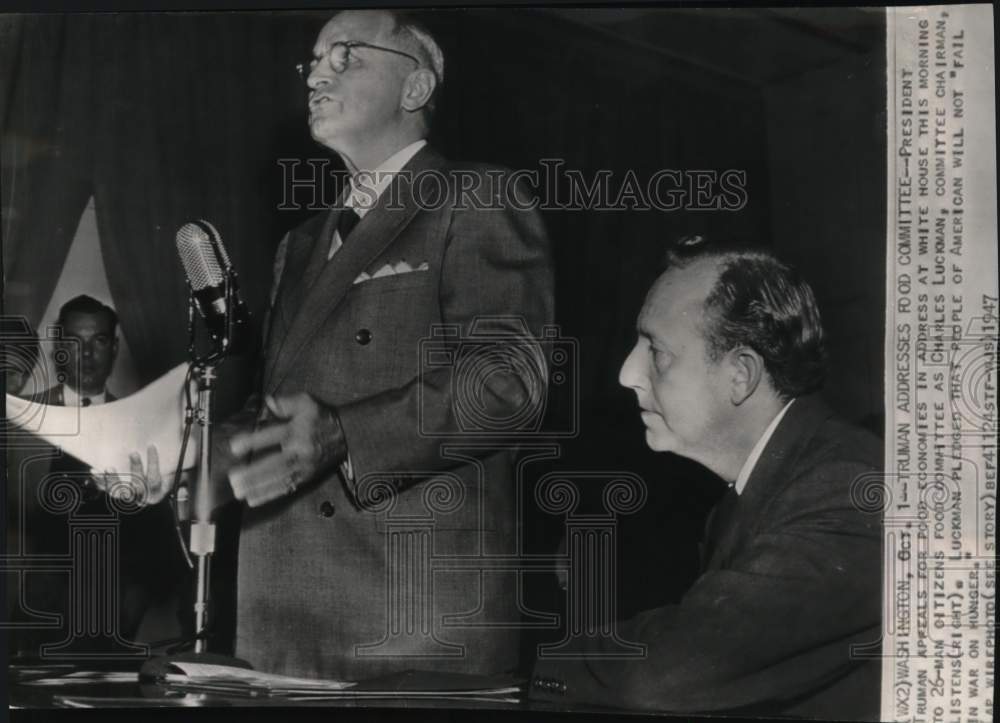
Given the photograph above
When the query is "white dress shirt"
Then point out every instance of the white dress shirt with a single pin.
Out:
(367, 187)
(758, 449)
(72, 398)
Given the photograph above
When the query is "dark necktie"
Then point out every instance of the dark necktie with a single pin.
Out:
(349, 218)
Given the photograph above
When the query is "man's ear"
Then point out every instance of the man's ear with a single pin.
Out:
(418, 89)
(748, 370)
(114, 348)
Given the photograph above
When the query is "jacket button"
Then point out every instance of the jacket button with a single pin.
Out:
(363, 336)
(327, 509)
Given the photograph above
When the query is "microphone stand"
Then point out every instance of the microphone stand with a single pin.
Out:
(202, 531)
(202, 541)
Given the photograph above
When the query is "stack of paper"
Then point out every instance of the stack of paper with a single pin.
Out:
(225, 680)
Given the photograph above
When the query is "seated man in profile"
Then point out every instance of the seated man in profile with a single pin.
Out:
(729, 357)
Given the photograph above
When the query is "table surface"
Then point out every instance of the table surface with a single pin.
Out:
(46, 686)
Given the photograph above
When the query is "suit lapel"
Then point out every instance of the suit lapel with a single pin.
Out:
(320, 250)
(730, 520)
(327, 282)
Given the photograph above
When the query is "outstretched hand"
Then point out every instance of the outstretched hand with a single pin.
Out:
(306, 442)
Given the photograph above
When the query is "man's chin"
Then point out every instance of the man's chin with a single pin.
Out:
(324, 130)
(658, 441)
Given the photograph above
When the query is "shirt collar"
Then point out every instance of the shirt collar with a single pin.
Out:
(360, 197)
(747, 469)
(72, 398)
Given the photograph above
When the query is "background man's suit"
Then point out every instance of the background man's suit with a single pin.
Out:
(313, 570)
(792, 581)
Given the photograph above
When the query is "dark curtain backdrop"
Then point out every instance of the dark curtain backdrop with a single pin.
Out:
(527, 87)
(169, 118)
(164, 119)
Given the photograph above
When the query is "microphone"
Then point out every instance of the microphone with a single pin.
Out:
(208, 269)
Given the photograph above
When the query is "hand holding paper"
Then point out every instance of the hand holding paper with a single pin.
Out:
(150, 481)
(107, 437)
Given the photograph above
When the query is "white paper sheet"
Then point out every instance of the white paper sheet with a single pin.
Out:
(103, 436)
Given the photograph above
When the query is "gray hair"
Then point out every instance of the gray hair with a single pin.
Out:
(429, 52)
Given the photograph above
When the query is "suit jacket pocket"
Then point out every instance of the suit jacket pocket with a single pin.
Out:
(393, 282)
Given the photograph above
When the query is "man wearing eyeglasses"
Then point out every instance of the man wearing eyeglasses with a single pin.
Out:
(345, 474)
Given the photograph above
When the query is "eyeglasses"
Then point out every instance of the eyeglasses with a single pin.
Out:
(339, 57)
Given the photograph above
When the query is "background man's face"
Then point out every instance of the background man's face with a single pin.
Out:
(682, 395)
(364, 100)
(90, 351)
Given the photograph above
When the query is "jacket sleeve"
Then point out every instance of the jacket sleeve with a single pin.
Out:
(496, 291)
(777, 623)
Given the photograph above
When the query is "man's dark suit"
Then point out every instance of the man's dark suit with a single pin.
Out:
(792, 582)
(318, 586)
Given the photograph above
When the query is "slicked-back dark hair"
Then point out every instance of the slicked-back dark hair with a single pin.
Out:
(762, 303)
(84, 304)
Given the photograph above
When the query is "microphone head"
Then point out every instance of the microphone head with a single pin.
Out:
(198, 254)
(216, 238)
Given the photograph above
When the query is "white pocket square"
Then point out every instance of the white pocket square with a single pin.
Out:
(400, 267)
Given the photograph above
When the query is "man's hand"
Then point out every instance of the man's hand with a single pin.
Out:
(145, 487)
(309, 442)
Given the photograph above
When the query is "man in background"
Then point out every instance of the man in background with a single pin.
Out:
(86, 356)
(726, 370)
(83, 355)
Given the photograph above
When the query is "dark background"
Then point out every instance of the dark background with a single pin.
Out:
(165, 118)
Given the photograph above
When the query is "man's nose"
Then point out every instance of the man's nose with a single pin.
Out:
(630, 374)
(320, 75)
